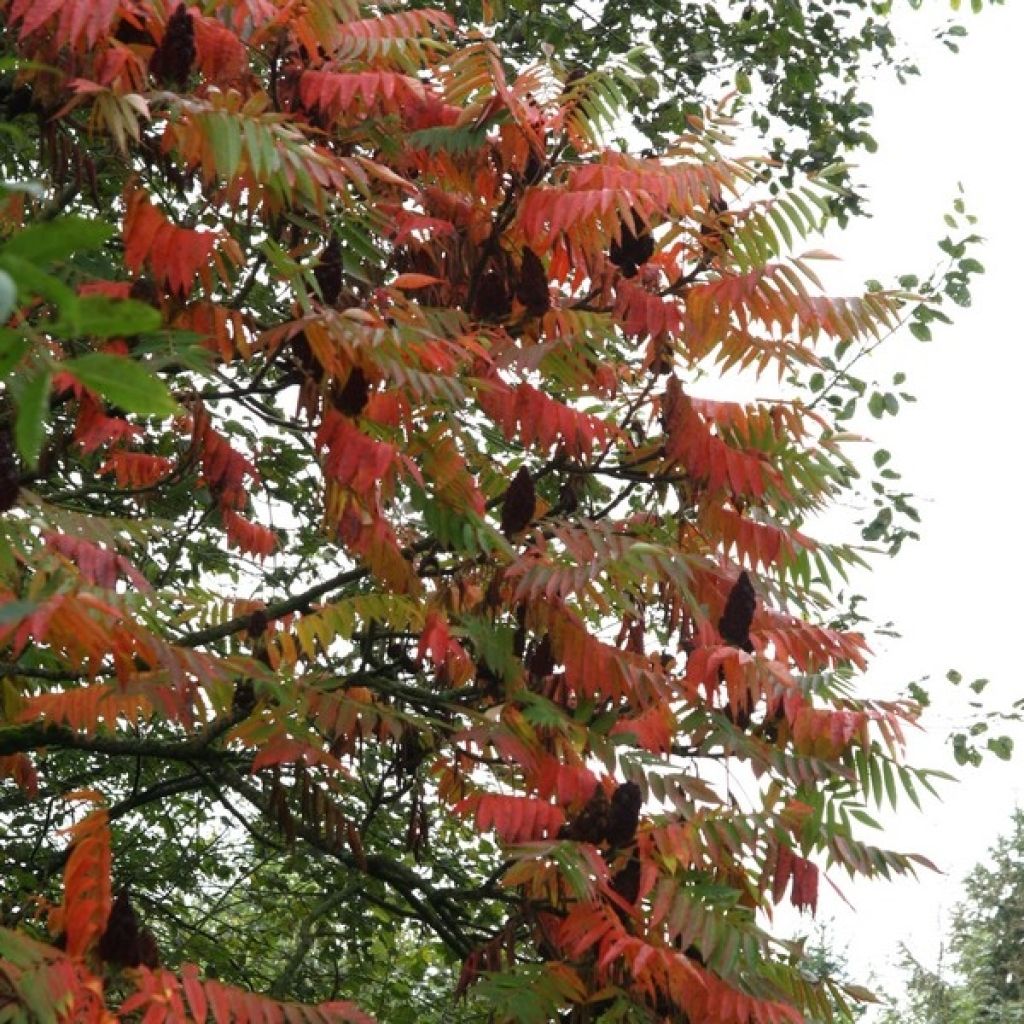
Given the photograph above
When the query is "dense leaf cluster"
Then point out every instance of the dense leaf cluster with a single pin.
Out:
(386, 613)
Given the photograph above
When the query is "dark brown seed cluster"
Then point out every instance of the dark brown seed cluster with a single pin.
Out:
(520, 503)
(303, 358)
(577, 74)
(126, 943)
(626, 881)
(491, 301)
(130, 32)
(172, 60)
(568, 499)
(18, 101)
(613, 822)
(532, 290)
(734, 625)
(632, 248)
(329, 273)
(257, 624)
(542, 659)
(624, 814)
(144, 290)
(243, 701)
(411, 753)
(590, 825)
(352, 398)
(9, 486)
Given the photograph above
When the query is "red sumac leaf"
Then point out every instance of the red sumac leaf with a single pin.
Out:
(410, 282)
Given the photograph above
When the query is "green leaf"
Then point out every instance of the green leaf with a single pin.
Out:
(8, 64)
(227, 144)
(99, 316)
(13, 345)
(890, 783)
(907, 780)
(54, 240)
(861, 994)
(921, 331)
(124, 382)
(743, 83)
(15, 611)
(920, 694)
(33, 413)
(30, 280)
(1002, 747)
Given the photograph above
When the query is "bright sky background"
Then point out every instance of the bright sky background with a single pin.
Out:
(954, 595)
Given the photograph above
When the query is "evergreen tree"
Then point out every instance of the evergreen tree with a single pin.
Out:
(983, 983)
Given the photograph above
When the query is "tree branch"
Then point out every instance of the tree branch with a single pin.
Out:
(20, 739)
(441, 919)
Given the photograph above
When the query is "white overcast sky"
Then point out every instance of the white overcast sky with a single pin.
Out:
(955, 595)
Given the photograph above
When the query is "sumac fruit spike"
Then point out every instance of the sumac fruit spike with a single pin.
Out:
(519, 504)
(411, 752)
(243, 701)
(694, 953)
(302, 356)
(532, 290)
(591, 824)
(257, 624)
(633, 247)
(542, 660)
(19, 101)
(489, 683)
(143, 289)
(577, 74)
(121, 943)
(329, 273)
(624, 814)
(172, 59)
(352, 398)
(491, 300)
(568, 499)
(9, 485)
(149, 951)
(131, 31)
(734, 625)
(626, 881)
(740, 717)
(661, 357)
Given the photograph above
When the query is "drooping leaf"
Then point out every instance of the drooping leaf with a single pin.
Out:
(124, 382)
(33, 414)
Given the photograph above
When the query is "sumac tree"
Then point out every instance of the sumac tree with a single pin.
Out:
(386, 610)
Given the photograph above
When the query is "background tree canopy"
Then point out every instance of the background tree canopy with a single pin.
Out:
(980, 975)
(800, 65)
(389, 623)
